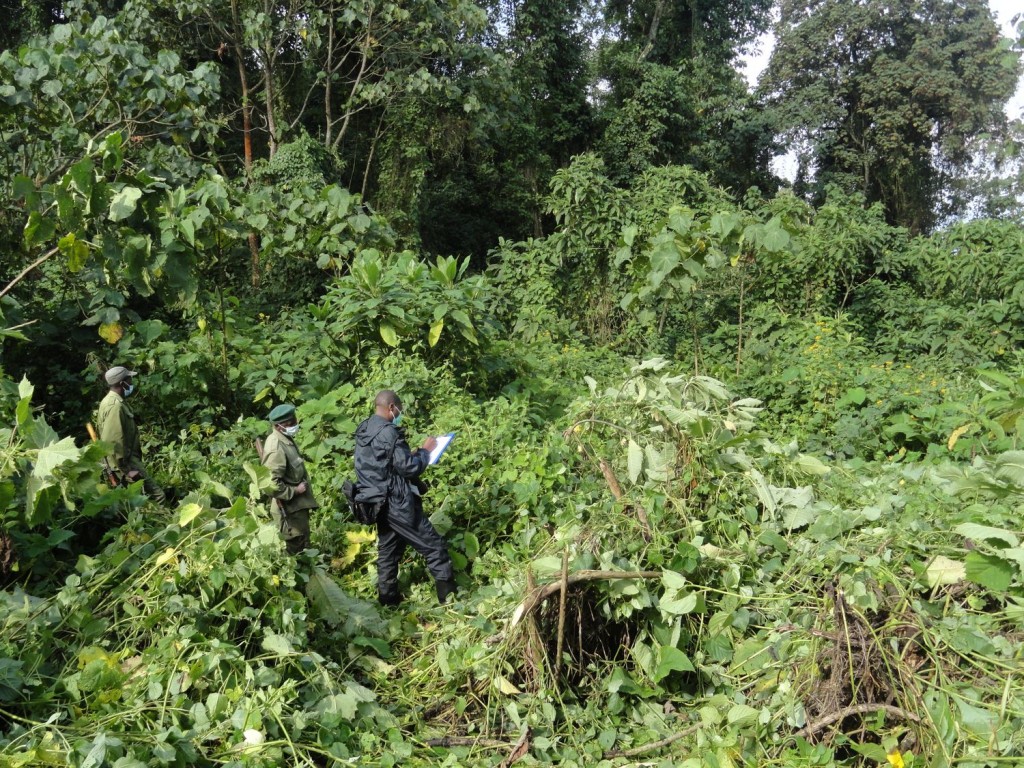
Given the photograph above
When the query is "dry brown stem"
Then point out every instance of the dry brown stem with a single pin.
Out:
(652, 746)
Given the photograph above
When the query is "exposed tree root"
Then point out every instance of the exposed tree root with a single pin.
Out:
(541, 594)
(860, 709)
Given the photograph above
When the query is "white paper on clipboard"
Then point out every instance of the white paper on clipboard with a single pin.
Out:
(443, 441)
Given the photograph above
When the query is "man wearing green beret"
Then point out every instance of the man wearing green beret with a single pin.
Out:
(116, 422)
(294, 496)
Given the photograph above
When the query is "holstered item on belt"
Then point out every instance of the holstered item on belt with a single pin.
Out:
(365, 512)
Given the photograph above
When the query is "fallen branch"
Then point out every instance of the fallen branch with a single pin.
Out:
(654, 745)
(521, 748)
(616, 489)
(469, 741)
(538, 596)
(857, 709)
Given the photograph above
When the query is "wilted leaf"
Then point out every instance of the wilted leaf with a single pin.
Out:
(188, 513)
(435, 332)
(956, 435)
(942, 570)
(167, 556)
(635, 460)
(505, 686)
(111, 332)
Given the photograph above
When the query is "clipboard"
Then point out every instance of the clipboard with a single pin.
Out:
(443, 441)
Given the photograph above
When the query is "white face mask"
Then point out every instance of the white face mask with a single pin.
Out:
(291, 431)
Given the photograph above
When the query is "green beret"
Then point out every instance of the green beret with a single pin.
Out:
(281, 413)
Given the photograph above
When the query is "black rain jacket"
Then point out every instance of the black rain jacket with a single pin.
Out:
(385, 466)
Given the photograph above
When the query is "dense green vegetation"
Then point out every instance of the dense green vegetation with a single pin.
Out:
(738, 477)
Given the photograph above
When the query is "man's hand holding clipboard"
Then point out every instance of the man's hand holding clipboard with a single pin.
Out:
(442, 443)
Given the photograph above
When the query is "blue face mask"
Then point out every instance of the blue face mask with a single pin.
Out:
(129, 389)
(291, 431)
(397, 421)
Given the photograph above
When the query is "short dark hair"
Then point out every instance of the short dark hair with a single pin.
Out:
(386, 398)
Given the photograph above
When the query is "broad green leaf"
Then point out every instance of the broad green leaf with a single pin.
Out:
(387, 332)
(985, 532)
(277, 644)
(635, 460)
(53, 456)
(1010, 466)
(742, 715)
(673, 580)
(471, 544)
(435, 332)
(798, 517)
(992, 572)
(811, 465)
(83, 176)
(339, 609)
(979, 721)
(679, 606)
(38, 229)
(671, 659)
(123, 204)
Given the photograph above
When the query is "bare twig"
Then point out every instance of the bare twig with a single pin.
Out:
(26, 270)
(654, 745)
(564, 589)
(616, 489)
(469, 741)
(521, 748)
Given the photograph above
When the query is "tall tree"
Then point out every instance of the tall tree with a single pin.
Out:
(495, 185)
(667, 91)
(884, 96)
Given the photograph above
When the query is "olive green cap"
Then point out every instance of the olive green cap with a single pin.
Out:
(281, 413)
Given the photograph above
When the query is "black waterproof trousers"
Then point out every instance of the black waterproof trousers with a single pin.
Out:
(395, 531)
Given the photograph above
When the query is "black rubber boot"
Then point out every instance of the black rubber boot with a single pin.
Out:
(445, 588)
(390, 599)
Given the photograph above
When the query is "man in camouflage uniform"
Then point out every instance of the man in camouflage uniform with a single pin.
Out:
(116, 424)
(294, 496)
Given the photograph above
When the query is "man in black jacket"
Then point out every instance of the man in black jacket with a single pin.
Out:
(387, 472)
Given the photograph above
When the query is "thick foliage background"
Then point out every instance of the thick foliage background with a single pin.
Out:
(738, 475)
